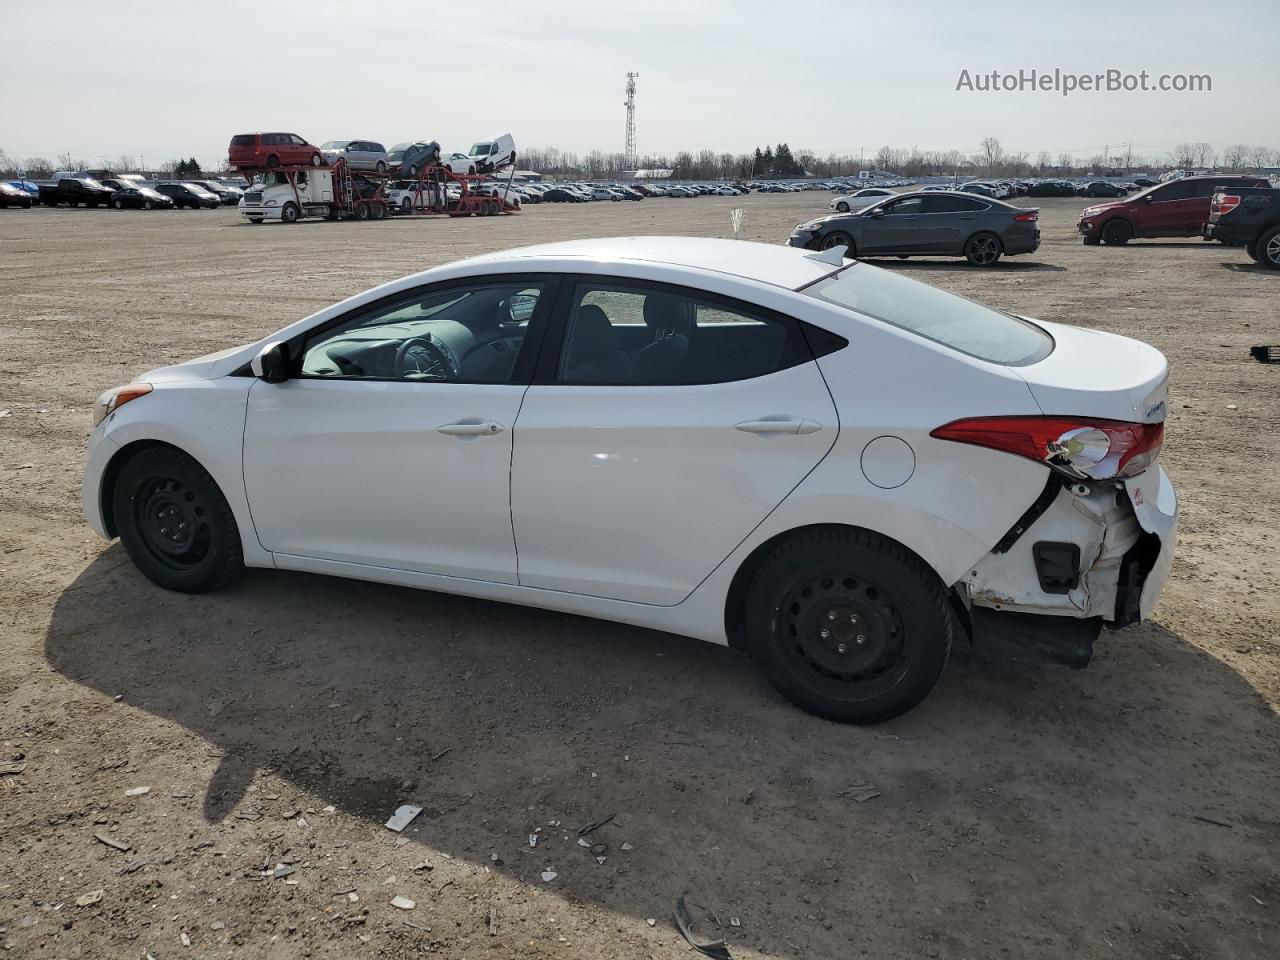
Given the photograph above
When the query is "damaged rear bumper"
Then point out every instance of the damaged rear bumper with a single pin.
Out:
(1087, 552)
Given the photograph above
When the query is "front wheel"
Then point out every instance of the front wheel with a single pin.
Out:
(175, 523)
(1268, 248)
(842, 207)
(118, 204)
(380, 167)
(1116, 232)
(289, 213)
(406, 205)
(848, 625)
(837, 239)
(149, 204)
(983, 250)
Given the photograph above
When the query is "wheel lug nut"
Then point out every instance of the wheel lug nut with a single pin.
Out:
(842, 648)
(831, 615)
(825, 634)
(860, 639)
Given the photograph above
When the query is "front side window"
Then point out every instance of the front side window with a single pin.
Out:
(455, 334)
(624, 334)
(934, 314)
(906, 207)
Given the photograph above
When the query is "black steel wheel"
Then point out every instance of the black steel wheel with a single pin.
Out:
(983, 249)
(848, 625)
(175, 523)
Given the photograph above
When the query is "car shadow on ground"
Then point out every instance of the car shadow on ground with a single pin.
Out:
(1012, 784)
(1249, 267)
(947, 266)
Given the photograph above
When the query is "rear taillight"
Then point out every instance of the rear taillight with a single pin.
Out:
(1029, 216)
(1076, 446)
(1224, 203)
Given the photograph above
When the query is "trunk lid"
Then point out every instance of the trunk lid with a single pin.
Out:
(1095, 374)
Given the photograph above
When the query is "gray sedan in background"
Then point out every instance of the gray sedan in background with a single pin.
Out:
(934, 224)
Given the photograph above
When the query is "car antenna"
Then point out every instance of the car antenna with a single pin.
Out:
(832, 255)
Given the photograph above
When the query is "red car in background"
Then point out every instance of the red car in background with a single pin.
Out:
(1179, 208)
(249, 150)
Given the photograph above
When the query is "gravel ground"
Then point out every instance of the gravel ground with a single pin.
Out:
(1128, 810)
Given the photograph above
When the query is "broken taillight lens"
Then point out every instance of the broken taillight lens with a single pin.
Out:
(1082, 448)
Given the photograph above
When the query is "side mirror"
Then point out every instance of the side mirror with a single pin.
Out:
(272, 363)
(876, 213)
(1148, 198)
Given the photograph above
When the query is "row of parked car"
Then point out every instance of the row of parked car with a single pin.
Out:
(102, 188)
(249, 151)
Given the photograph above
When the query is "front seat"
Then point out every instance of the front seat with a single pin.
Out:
(662, 360)
(595, 355)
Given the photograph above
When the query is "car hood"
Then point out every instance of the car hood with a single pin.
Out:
(1106, 205)
(1095, 374)
(201, 368)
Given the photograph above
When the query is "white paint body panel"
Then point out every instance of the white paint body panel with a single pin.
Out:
(344, 477)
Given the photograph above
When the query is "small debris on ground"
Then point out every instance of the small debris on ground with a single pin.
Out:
(137, 791)
(186, 940)
(595, 824)
(716, 949)
(404, 815)
(90, 898)
(403, 903)
(12, 769)
(549, 875)
(111, 842)
(652, 922)
(861, 792)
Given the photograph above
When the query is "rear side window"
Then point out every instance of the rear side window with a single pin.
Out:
(934, 314)
(243, 140)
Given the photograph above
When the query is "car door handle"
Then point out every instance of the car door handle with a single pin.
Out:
(779, 425)
(471, 428)
(968, 216)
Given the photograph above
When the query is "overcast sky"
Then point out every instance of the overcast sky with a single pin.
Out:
(163, 80)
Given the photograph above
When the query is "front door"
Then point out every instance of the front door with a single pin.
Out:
(662, 429)
(391, 444)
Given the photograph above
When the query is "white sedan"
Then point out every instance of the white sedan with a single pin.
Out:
(829, 465)
(859, 199)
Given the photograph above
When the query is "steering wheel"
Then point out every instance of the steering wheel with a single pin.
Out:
(424, 358)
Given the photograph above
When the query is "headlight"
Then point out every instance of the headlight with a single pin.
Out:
(1091, 211)
(270, 203)
(111, 400)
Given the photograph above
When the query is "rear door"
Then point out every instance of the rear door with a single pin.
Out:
(1167, 211)
(664, 424)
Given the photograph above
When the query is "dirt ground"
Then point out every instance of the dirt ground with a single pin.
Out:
(1128, 810)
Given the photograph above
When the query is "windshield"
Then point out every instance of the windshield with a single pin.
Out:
(934, 314)
(481, 149)
(334, 144)
(199, 190)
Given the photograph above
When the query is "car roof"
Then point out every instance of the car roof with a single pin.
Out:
(773, 264)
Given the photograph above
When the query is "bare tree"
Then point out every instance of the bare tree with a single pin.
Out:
(1043, 160)
(1233, 157)
(1066, 162)
(991, 153)
(1259, 157)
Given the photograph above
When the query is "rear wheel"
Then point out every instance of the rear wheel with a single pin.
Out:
(983, 249)
(316, 160)
(377, 210)
(362, 211)
(406, 205)
(1116, 232)
(847, 625)
(273, 161)
(1268, 248)
(175, 523)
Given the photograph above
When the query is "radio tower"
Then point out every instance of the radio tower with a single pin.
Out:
(629, 159)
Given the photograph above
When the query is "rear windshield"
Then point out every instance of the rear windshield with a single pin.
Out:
(243, 140)
(934, 314)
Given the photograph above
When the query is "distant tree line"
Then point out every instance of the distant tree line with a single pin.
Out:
(780, 161)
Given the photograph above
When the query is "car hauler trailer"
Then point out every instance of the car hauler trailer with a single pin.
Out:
(334, 192)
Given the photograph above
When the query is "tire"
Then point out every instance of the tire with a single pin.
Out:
(842, 207)
(273, 161)
(860, 590)
(380, 167)
(289, 213)
(362, 211)
(1116, 232)
(1251, 248)
(156, 491)
(149, 204)
(837, 238)
(413, 170)
(377, 210)
(1267, 247)
(406, 205)
(118, 204)
(983, 249)
(316, 160)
